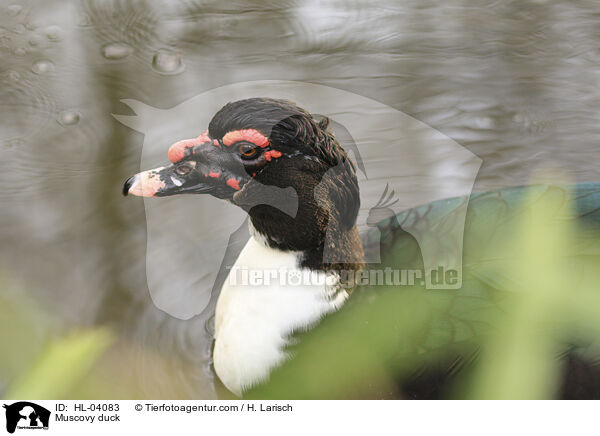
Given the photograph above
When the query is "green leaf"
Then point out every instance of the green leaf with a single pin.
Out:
(61, 366)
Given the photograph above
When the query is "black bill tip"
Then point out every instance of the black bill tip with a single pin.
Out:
(128, 183)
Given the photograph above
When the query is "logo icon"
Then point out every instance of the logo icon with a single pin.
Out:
(26, 415)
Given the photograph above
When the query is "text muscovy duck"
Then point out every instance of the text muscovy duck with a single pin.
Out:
(299, 187)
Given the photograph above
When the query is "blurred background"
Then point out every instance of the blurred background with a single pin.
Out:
(515, 82)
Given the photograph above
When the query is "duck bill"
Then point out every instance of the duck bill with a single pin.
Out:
(149, 183)
(162, 182)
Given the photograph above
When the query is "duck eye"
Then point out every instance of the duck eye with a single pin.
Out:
(247, 150)
(183, 170)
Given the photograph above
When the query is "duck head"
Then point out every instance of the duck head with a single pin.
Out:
(252, 147)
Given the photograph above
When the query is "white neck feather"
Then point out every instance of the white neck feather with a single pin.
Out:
(253, 321)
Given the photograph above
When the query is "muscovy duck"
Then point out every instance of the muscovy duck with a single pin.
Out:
(278, 163)
(269, 157)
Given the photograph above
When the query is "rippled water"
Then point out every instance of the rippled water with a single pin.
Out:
(516, 83)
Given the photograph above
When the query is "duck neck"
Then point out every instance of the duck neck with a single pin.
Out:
(255, 319)
(324, 243)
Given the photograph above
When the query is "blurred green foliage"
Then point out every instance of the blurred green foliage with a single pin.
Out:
(530, 293)
(62, 364)
(38, 361)
(41, 358)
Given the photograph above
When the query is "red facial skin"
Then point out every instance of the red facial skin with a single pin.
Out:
(177, 150)
(272, 154)
(249, 135)
(233, 183)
